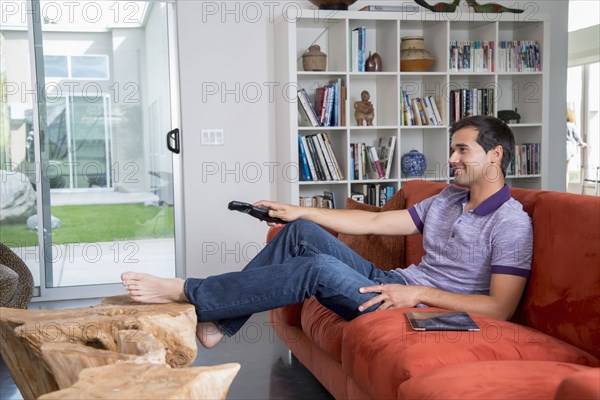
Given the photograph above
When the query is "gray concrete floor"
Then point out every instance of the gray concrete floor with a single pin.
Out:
(268, 370)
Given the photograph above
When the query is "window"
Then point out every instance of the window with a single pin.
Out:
(89, 67)
(77, 67)
(583, 98)
(56, 66)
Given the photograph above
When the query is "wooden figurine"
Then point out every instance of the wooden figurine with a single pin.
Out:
(363, 110)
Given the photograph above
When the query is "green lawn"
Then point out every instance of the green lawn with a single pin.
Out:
(97, 223)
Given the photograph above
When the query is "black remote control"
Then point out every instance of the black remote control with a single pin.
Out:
(256, 212)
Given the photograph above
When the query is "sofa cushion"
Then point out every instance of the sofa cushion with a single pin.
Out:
(386, 252)
(527, 197)
(583, 385)
(323, 327)
(380, 347)
(490, 380)
(562, 297)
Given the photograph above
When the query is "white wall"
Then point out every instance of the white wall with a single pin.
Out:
(224, 44)
(224, 55)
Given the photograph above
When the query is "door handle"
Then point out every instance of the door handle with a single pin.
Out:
(173, 141)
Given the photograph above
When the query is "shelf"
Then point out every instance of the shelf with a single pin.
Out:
(423, 127)
(372, 128)
(523, 176)
(512, 90)
(370, 74)
(519, 73)
(420, 178)
(315, 183)
(321, 73)
(321, 128)
(373, 181)
(422, 73)
(528, 125)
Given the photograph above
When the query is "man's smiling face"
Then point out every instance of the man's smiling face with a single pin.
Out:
(468, 159)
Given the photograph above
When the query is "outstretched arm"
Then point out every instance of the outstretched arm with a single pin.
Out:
(351, 222)
(501, 303)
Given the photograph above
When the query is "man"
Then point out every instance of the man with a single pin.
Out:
(478, 245)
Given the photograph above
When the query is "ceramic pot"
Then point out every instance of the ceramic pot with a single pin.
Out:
(413, 56)
(413, 164)
(373, 63)
(332, 4)
(314, 59)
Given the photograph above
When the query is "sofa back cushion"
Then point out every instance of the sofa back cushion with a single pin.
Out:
(386, 252)
(562, 297)
(414, 192)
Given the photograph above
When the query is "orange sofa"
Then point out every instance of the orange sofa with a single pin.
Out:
(550, 348)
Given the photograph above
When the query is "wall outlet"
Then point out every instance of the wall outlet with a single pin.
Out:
(212, 137)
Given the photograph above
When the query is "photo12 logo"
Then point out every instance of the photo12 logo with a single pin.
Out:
(123, 13)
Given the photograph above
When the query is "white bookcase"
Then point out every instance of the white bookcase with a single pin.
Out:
(384, 30)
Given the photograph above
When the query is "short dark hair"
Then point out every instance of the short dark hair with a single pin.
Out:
(491, 133)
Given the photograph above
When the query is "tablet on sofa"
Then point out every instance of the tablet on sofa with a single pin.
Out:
(441, 321)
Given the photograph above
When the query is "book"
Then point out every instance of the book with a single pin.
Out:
(436, 112)
(329, 197)
(326, 200)
(359, 197)
(343, 98)
(407, 110)
(421, 108)
(362, 48)
(321, 158)
(327, 156)
(308, 107)
(415, 111)
(309, 159)
(354, 55)
(304, 169)
(387, 147)
(375, 163)
(313, 153)
(336, 165)
(428, 112)
(320, 93)
(337, 85)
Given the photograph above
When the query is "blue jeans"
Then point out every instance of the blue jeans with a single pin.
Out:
(303, 260)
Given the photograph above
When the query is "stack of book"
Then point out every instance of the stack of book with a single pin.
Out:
(469, 102)
(471, 56)
(421, 110)
(519, 56)
(372, 162)
(374, 194)
(526, 160)
(329, 107)
(326, 200)
(359, 51)
(317, 159)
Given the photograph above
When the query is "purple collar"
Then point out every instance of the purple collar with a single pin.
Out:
(490, 204)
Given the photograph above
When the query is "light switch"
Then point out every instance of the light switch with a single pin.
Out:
(212, 137)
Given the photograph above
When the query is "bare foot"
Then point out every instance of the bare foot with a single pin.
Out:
(146, 288)
(208, 334)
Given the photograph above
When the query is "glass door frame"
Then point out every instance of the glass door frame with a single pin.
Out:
(45, 292)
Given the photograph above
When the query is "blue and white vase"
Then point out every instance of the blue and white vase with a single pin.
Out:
(413, 163)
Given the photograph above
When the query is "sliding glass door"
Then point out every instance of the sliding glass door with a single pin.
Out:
(89, 95)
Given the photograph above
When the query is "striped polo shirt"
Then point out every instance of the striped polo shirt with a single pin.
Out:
(464, 248)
